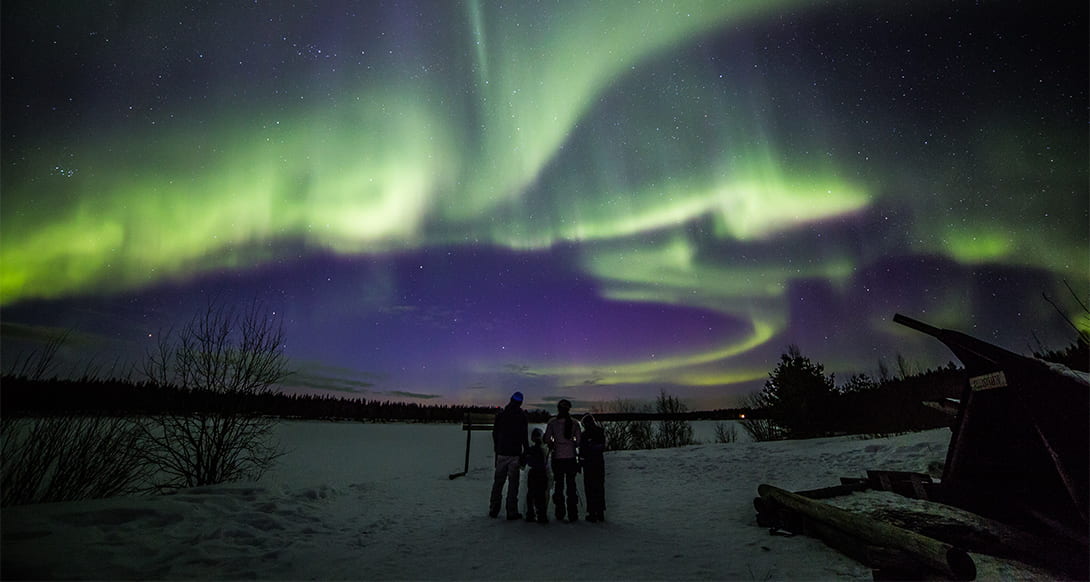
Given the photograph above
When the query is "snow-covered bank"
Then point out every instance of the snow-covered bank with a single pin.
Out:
(366, 501)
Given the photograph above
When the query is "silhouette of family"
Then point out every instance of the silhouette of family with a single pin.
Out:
(573, 447)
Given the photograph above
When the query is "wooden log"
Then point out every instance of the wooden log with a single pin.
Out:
(887, 563)
(942, 557)
(835, 490)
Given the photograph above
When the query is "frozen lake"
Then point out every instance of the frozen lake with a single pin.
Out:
(385, 448)
(352, 501)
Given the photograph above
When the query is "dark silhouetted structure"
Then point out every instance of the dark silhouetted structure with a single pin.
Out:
(1019, 449)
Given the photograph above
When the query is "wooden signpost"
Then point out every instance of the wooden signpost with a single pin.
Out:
(471, 422)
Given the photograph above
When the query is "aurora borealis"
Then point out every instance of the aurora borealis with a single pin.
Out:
(447, 201)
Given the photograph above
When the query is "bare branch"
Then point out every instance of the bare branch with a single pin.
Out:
(222, 357)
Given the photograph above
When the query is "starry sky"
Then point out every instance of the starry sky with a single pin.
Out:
(443, 202)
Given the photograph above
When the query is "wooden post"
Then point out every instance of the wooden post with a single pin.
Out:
(940, 556)
(469, 435)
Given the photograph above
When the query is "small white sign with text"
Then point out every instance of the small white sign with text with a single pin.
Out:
(988, 381)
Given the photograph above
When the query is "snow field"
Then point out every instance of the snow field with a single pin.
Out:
(353, 501)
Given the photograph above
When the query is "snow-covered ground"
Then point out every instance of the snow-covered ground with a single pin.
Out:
(373, 501)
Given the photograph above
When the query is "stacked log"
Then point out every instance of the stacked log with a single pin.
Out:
(880, 545)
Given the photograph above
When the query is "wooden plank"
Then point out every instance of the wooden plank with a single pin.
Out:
(478, 421)
(913, 485)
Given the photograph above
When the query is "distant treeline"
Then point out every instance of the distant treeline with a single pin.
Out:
(718, 414)
(898, 404)
(24, 397)
(904, 403)
(885, 405)
(1075, 356)
(20, 396)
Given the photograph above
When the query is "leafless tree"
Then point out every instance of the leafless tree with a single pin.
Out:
(221, 359)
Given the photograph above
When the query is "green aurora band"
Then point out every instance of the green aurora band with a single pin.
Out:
(406, 163)
(367, 176)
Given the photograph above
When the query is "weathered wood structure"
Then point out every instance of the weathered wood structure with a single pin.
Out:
(1020, 449)
(1018, 457)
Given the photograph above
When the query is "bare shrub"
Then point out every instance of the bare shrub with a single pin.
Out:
(220, 359)
(763, 429)
(623, 435)
(673, 431)
(641, 434)
(760, 429)
(40, 362)
(637, 434)
(726, 433)
(67, 458)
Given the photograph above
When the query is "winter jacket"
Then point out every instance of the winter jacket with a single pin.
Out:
(563, 448)
(535, 457)
(592, 444)
(509, 433)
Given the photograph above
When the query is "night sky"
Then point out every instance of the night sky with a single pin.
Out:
(448, 201)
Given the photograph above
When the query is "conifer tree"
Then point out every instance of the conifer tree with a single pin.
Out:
(798, 396)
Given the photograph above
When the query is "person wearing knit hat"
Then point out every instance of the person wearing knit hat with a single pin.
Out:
(562, 435)
(510, 445)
